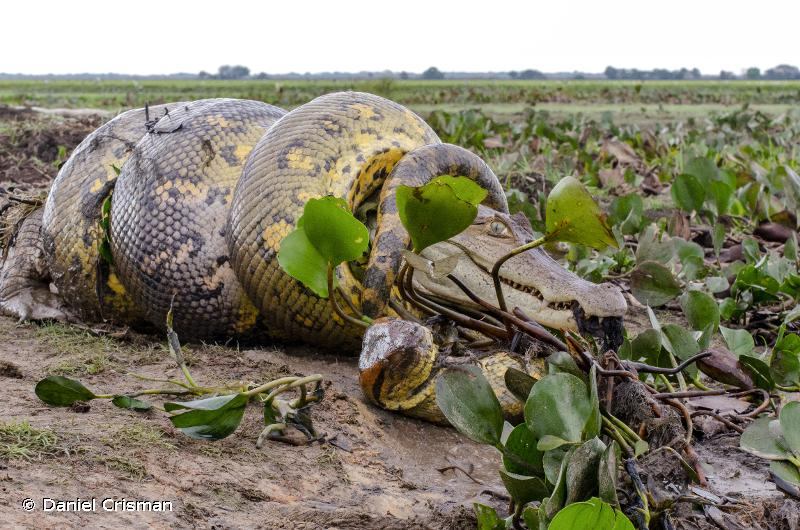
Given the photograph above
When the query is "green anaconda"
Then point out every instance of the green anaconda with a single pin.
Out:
(188, 211)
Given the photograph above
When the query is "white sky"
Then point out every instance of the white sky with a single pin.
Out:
(166, 36)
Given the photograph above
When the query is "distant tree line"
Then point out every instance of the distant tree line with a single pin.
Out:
(233, 72)
(780, 72)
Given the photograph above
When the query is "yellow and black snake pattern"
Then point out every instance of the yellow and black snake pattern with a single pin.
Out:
(200, 199)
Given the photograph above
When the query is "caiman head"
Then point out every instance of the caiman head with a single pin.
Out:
(531, 281)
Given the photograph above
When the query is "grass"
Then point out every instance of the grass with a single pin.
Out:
(116, 95)
(20, 440)
(138, 436)
(128, 466)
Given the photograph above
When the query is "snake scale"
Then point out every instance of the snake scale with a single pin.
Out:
(184, 206)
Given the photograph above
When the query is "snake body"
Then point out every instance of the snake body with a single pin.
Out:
(200, 199)
(169, 213)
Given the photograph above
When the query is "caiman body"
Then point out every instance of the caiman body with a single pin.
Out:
(188, 211)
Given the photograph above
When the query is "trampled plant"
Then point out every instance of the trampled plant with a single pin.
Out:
(216, 411)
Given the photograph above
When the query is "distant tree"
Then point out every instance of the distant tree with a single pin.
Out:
(204, 75)
(696, 73)
(513, 74)
(263, 75)
(404, 75)
(726, 76)
(233, 72)
(611, 72)
(783, 71)
(752, 73)
(531, 74)
(432, 73)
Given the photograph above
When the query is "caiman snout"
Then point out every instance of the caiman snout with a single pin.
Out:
(531, 281)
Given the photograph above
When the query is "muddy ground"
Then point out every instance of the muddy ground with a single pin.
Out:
(377, 470)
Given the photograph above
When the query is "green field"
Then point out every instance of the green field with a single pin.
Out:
(114, 95)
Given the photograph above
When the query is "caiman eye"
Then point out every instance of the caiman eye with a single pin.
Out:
(498, 229)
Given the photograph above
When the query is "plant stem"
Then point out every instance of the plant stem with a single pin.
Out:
(337, 308)
(291, 381)
(625, 428)
(498, 288)
(614, 433)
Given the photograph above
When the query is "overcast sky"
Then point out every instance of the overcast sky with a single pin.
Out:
(166, 36)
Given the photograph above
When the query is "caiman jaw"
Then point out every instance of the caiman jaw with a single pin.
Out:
(531, 281)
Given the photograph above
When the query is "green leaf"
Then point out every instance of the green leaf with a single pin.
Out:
(627, 213)
(530, 516)
(468, 402)
(552, 461)
(646, 345)
(548, 442)
(761, 439)
(524, 489)
(333, 231)
(559, 406)
(557, 499)
(655, 246)
(561, 361)
(739, 341)
(790, 425)
(758, 370)
(679, 342)
(583, 470)
(487, 517)
(785, 362)
(127, 402)
(210, 418)
(299, 259)
(594, 421)
(691, 256)
(607, 474)
(688, 193)
(521, 455)
(785, 471)
(61, 391)
(703, 169)
(593, 514)
(721, 196)
(439, 210)
(653, 284)
(519, 383)
(574, 217)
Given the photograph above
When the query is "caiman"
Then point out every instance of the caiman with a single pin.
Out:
(184, 206)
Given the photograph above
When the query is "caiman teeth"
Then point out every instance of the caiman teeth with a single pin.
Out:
(558, 306)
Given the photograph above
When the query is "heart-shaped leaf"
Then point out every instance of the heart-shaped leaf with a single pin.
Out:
(468, 402)
(740, 341)
(558, 406)
(573, 216)
(688, 193)
(439, 210)
(210, 418)
(653, 284)
(700, 309)
(593, 514)
(298, 257)
(61, 391)
(336, 234)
